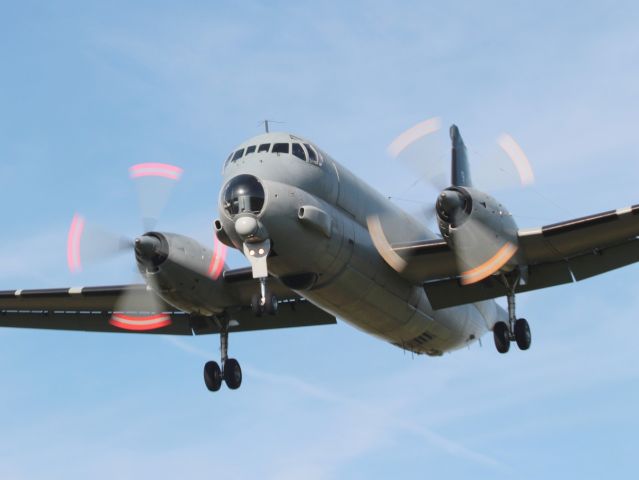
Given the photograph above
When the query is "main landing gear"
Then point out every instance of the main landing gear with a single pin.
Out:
(516, 330)
(264, 302)
(230, 373)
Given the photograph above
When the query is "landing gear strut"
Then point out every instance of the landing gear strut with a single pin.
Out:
(516, 330)
(257, 254)
(230, 372)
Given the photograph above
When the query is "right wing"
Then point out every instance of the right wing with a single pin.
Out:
(92, 309)
(555, 254)
(550, 255)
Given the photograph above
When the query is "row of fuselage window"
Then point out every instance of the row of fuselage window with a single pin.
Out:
(303, 151)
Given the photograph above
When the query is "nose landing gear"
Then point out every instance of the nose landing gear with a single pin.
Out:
(261, 305)
(516, 330)
(256, 246)
(230, 373)
(257, 254)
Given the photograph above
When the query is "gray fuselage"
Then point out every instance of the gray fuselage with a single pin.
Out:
(315, 212)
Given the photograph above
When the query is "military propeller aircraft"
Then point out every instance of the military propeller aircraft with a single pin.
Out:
(321, 245)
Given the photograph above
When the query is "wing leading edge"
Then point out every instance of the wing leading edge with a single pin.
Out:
(92, 309)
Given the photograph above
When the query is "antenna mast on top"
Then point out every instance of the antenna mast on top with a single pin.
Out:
(266, 124)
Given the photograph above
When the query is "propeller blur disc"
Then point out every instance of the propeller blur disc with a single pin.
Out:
(140, 310)
(424, 148)
(410, 136)
(480, 252)
(518, 158)
(154, 182)
(87, 243)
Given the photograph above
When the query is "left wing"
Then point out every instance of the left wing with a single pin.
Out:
(92, 309)
(551, 255)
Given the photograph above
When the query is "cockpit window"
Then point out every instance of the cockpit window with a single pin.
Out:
(228, 159)
(239, 154)
(298, 151)
(250, 149)
(264, 147)
(312, 156)
(280, 148)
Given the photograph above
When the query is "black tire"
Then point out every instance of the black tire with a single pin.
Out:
(232, 374)
(502, 337)
(256, 305)
(212, 376)
(523, 336)
(270, 306)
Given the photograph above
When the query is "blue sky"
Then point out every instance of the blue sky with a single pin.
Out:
(88, 89)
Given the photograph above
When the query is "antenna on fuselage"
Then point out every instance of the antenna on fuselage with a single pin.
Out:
(266, 122)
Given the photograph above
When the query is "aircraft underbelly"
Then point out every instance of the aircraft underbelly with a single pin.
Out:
(355, 284)
(408, 323)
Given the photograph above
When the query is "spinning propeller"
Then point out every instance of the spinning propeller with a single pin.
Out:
(422, 148)
(478, 229)
(87, 243)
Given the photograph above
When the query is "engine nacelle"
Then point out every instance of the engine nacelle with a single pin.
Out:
(183, 272)
(480, 231)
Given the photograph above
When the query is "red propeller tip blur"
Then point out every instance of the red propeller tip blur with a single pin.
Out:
(155, 170)
(140, 323)
(218, 258)
(73, 243)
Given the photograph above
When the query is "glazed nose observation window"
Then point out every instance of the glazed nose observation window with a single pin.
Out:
(243, 194)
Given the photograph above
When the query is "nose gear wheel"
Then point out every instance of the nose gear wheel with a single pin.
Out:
(267, 306)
